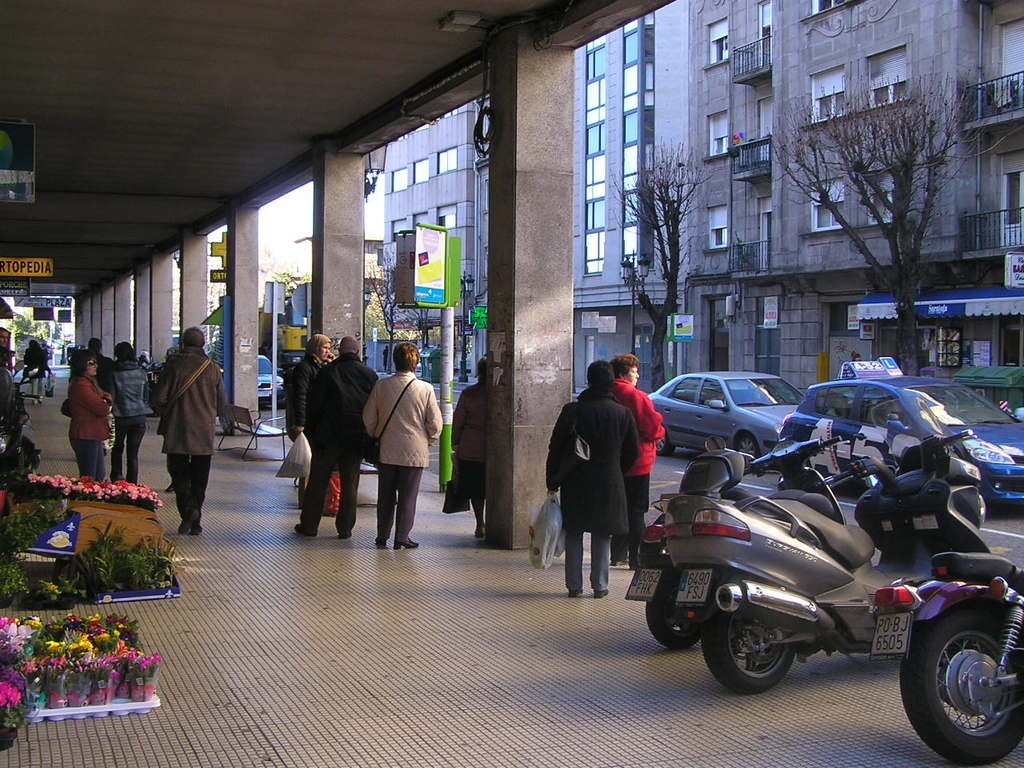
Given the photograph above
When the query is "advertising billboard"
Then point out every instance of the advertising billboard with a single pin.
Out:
(430, 272)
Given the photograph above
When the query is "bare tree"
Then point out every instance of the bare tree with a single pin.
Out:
(891, 150)
(660, 204)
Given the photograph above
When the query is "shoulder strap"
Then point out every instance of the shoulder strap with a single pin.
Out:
(395, 406)
(191, 380)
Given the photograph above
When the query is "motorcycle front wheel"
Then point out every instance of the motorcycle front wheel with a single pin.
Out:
(939, 684)
(739, 657)
(660, 614)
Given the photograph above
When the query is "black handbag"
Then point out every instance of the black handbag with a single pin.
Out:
(371, 447)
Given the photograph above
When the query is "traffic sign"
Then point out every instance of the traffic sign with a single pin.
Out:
(479, 317)
(43, 301)
(218, 275)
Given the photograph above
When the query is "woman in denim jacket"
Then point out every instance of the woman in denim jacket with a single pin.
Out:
(131, 407)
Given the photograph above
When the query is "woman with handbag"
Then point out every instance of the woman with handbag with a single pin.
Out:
(469, 437)
(90, 408)
(402, 412)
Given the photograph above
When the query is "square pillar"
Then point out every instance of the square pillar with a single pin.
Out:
(530, 288)
(195, 276)
(337, 285)
(96, 315)
(161, 304)
(243, 287)
(83, 319)
(107, 319)
(141, 332)
(122, 311)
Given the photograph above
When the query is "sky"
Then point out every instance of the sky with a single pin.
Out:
(290, 218)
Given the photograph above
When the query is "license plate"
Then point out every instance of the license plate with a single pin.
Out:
(892, 635)
(644, 582)
(694, 586)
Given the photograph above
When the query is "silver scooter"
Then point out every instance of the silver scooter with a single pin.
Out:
(766, 578)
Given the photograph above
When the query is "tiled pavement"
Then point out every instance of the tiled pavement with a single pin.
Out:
(319, 652)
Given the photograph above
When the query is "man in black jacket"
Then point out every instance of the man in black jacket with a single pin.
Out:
(334, 428)
(300, 381)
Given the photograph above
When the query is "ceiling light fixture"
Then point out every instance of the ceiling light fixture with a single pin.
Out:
(459, 21)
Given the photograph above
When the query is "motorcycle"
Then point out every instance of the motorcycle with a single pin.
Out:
(961, 640)
(767, 578)
(654, 582)
(17, 449)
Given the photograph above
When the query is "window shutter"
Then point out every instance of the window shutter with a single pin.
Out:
(1013, 162)
(718, 217)
(888, 68)
(1013, 47)
(718, 30)
(827, 83)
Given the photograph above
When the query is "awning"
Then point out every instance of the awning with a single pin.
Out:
(217, 317)
(952, 302)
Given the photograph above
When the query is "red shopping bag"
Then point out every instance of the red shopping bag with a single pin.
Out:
(332, 501)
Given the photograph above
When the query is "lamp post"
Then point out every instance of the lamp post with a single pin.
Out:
(467, 281)
(367, 298)
(634, 271)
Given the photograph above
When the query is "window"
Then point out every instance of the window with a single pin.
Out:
(595, 214)
(594, 257)
(596, 139)
(397, 226)
(836, 402)
(446, 217)
(820, 6)
(631, 128)
(629, 161)
(629, 244)
(712, 390)
(630, 44)
(686, 390)
(420, 218)
(596, 62)
(764, 15)
(595, 177)
(828, 93)
(447, 160)
(399, 179)
(718, 226)
(597, 97)
(765, 115)
(718, 133)
(718, 35)
(879, 405)
(888, 74)
(421, 171)
(821, 217)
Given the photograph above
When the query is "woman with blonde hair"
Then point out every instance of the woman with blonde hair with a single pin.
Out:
(402, 411)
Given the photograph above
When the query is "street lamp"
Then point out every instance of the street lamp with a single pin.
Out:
(634, 271)
(468, 281)
(367, 298)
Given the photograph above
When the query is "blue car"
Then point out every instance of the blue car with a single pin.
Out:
(892, 413)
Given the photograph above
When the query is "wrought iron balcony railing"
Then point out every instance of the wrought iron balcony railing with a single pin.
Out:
(752, 61)
(992, 229)
(999, 96)
(752, 160)
(750, 257)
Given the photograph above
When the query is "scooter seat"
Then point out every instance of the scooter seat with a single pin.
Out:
(850, 546)
(977, 566)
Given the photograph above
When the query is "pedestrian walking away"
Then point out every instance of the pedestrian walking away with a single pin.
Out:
(403, 412)
(336, 434)
(593, 492)
(469, 437)
(90, 416)
(188, 399)
(651, 431)
(318, 352)
(131, 407)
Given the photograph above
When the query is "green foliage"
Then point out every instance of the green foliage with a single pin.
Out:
(20, 530)
(62, 593)
(12, 578)
(111, 565)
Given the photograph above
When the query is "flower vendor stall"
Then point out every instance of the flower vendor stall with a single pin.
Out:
(72, 667)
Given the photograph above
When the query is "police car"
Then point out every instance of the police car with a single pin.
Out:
(889, 412)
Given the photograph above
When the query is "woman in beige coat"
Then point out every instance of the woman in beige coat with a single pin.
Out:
(404, 443)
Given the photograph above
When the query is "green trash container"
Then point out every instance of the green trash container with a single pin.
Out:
(432, 365)
(996, 382)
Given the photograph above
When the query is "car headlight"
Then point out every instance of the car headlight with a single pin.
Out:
(982, 450)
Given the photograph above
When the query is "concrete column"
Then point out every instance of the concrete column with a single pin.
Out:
(83, 319)
(96, 313)
(529, 335)
(122, 311)
(161, 301)
(337, 244)
(195, 275)
(243, 287)
(143, 283)
(107, 319)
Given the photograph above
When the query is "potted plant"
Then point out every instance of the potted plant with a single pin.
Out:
(13, 580)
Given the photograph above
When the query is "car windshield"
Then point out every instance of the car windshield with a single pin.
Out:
(958, 406)
(264, 363)
(754, 392)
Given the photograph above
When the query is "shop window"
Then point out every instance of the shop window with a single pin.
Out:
(948, 346)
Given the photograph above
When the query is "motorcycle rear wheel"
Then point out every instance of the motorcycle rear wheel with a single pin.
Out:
(965, 737)
(660, 615)
(739, 670)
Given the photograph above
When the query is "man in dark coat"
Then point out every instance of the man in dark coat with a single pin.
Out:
(334, 428)
(188, 400)
(104, 365)
(593, 497)
(318, 352)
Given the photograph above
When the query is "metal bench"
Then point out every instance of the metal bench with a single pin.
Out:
(236, 418)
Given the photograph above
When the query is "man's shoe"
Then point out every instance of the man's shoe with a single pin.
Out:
(345, 535)
(599, 593)
(195, 530)
(303, 532)
(186, 525)
(575, 593)
(380, 543)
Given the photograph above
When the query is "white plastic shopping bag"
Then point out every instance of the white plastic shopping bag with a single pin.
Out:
(547, 539)
(296, 463)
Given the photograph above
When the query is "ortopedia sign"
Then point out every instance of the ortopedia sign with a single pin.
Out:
(43, 301)
(26, 267)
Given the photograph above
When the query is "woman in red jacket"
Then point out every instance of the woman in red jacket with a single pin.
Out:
(638, 478)
(90, 425)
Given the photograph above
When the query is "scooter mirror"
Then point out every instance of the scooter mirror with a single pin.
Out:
(715, 443)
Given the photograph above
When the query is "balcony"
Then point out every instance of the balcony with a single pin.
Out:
(992, 230)
(752, 63)
(999, 100)
(750, 257)
(752, 160)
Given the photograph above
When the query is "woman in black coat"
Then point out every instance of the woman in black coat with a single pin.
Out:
(593, 496)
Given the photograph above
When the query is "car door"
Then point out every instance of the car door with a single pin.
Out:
(835, 409)
(677, 411)
(711, 420)
(886, 429)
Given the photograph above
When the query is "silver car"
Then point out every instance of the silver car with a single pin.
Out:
(746, 408)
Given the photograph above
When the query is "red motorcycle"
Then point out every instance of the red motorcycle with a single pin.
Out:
(961, 640)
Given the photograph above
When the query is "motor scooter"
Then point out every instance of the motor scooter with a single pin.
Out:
(17, 449)
(766, 578)
(960, 636)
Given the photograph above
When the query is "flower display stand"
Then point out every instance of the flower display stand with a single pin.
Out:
(165, 593)
(117, 708)
(88, 521)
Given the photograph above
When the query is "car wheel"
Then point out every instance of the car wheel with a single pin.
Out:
(747, 443)
(667, 449)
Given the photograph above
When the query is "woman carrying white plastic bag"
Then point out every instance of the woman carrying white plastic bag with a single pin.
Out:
(547, 539)
(296, 463)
